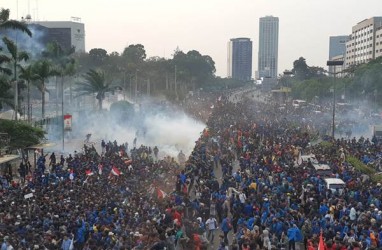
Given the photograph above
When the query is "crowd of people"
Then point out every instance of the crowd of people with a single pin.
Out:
(242, 187)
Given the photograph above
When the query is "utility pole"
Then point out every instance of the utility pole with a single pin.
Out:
(175, 87)
(62, 112)
(334, 64)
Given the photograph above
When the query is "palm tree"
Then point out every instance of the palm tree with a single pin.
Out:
(5, 23)
(28, 75)
(43, 70)
(6, 96)
(15, 57)
(96, 83)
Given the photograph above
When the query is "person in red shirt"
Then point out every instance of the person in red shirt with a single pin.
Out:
(176, 215)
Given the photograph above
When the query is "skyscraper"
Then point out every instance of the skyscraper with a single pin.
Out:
(268, 46)
(337, 45)
(337, 51)
(240, 59)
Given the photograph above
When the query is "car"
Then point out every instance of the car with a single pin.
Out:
(335, 184)
(323, 170)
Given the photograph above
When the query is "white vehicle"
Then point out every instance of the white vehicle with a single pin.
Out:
(335, 184)
(323, 170)
(299, 103)
(305, 158)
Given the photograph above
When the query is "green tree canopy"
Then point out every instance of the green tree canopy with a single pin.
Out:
(21, 134)
(6, 23)
(134, 54)
(96, 83)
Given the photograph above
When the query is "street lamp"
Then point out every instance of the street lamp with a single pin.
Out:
(334, 64)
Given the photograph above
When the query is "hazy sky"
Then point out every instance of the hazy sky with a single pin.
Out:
(206, 25)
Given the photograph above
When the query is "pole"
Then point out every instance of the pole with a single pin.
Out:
(29, 102)
(334, 103)
(62, 112)
(334, 64)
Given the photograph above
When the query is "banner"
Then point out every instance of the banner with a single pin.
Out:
(68, 122)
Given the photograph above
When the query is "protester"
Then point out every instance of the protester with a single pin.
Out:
(243, 175)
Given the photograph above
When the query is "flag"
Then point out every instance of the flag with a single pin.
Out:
(100, 167)
(151, 189)
(321, 245)
(115, 171)
(71, 247)
(89, 172)
(161, 194)
(71, 175)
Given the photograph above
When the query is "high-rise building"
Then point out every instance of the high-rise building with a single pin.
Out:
(378, 42)
(240, 59)
(337, 45)
(67, 33)
(337, 51)
(268, 46)
(362, 47)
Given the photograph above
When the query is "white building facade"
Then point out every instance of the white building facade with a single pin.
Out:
(361, 48)
(70, 33)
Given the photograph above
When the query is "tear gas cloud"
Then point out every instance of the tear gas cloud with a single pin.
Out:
(164, 126)
(32, 45)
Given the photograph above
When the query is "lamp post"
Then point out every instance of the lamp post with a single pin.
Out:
(334, 64)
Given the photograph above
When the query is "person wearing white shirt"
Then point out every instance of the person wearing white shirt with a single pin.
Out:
(242, 197)
(353, 214)
(211, 225)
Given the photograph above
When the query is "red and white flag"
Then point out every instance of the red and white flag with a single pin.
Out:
(89, 172)
(115, 171)
(161, 194)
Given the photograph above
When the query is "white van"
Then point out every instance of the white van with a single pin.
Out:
(335, 184)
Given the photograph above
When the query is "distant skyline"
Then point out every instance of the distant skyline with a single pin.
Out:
(206, 25)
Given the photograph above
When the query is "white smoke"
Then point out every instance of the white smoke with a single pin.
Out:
(164, 126)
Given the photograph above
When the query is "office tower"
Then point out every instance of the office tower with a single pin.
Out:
(364, 44)
(337, 51)
(240, 59)
(268, 46)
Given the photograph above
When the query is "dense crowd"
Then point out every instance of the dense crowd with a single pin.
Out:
(242, 187)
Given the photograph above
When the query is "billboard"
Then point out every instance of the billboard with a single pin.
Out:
(67, 122)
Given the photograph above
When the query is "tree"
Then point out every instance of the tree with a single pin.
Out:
(135, 53)
(98, 56)
(28, 75)
(21, 134)
(301, 69)
(5, 23)
(44, 70)
(6, 95)
(96, 83)
(15, 58)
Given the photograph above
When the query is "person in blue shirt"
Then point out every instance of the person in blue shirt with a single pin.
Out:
(226, 227)
(294, 235)
(66, 243)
